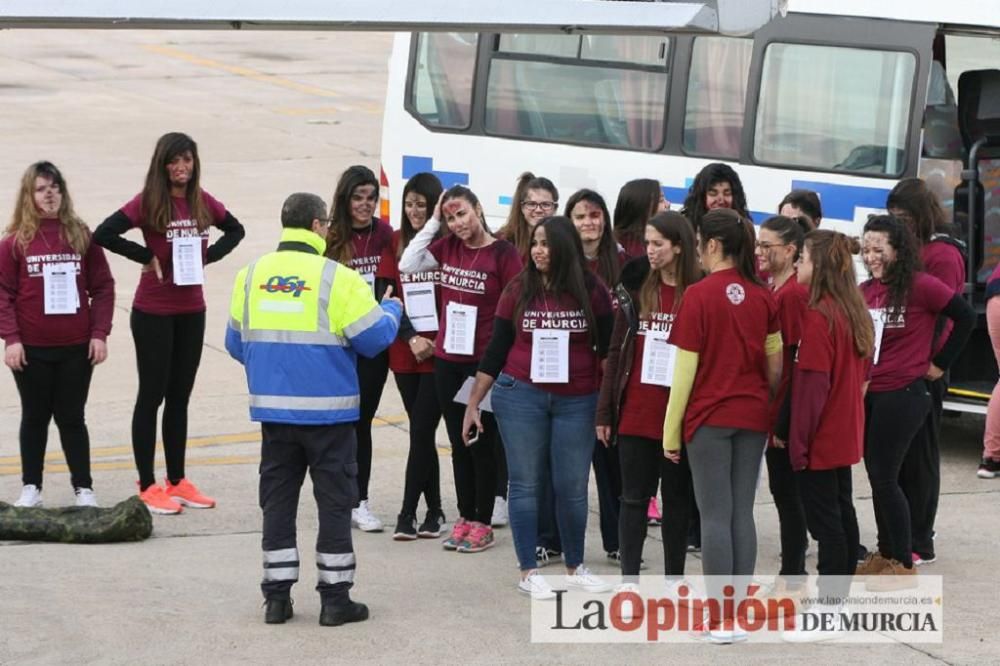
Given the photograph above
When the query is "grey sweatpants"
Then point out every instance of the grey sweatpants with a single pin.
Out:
(725, 463)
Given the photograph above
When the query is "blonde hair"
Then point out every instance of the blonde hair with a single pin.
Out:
(25, 221)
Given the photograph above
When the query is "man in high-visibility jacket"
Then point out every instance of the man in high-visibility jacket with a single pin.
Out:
(297, 319)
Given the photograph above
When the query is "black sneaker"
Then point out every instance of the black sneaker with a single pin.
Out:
(334, 616)
(989, 468)
(277, 611)
(406, 529)
(546, 556)
(616, 557)
(862, 553)
(433, 525)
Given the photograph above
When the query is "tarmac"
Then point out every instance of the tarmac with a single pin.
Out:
(276, 113)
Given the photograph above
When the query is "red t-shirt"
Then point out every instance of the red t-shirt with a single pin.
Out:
(401, 359)
(792, 300)
(472, 277)
(726, 320)
(945, 262)
(369, 245)
(551, 313)
(22, 291)
(644, 406)
(839, 440)
(166, 298)
(906, 341)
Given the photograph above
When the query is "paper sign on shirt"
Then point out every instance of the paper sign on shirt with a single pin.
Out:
(658, 359)
(460, 334)
(188, 268)
(549, 356)
(370, 279)
(878, 319)
(61, 296)
(420, 306)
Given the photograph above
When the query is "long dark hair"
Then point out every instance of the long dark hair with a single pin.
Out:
(833, 279)
(608, 263)
(913, 196)
(737, 237)
(900, 273)
(157, 205)
(675, 228)
(340, 247)
(637, 202)
(517, 231)
(567, 273)
(791, 230)
(429, 187)
(712, 174)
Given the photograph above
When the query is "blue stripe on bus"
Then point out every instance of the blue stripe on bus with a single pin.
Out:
(505, 200)
(414, 164)
(839, 201)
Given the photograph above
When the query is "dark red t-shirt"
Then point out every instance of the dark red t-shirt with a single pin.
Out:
(369, 245)
(22, 291)
(839, 440)
(945, 262)
(166, 298)
(792, 300)
(551, 313)
(633, 247)
(644, 406)
(906, 342)
(726, 319)
(472, 277)
(401, 359)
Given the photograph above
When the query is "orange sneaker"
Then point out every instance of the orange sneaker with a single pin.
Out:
(157, 501)
(185, 492)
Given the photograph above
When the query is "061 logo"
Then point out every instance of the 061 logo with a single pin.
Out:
(285, 284)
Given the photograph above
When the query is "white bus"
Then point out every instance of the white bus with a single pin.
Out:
(840, 97)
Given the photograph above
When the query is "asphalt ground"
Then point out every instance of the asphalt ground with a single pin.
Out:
(275, 113)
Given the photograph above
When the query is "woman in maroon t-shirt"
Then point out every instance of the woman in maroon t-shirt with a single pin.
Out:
(905, 304)
(535, 198)
(473, 268)
(358, 240)
(638, 200)
(552, 327)
(779, 242)
(827, 419)
(57, 297)
(716, 186)
(411, 362)
(168, 312)
(634, 393)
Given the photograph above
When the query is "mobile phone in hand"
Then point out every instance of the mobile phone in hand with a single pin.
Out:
(473, 434)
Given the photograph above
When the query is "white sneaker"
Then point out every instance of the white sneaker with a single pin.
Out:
(31, 496)
(629, 610)
(582, 579)
(85, 497)
(500, 516)
(672, 590)
(826, 624)
(363, 518)
(534, 584)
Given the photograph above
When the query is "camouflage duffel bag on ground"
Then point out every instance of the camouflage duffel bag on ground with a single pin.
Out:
(126, 521)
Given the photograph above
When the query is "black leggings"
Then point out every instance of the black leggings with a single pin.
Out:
(423, 474)
(829, 509)
(167, 353)
(54, 384)
(372, 374)
(920, 476)
(643, 466)
(791, 516)
(892, 420)
(474, 466)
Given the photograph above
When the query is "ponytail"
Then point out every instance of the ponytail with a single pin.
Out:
(737, 236)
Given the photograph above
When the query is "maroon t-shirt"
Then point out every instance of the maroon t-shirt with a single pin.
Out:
(369, 245)
(401, 359)
(726, 319)
(945, 262)
(165, 298)
(906, 341)
(472, 277)
(644, 406)
(792, 299)
(22, 291)
(633, 247)
(551, 313)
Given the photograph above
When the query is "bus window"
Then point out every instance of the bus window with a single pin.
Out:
(442, 81)
(606, 91)
(834, 108)
(717, 90)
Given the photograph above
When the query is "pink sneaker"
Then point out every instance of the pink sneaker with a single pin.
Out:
(184, 492)
(458, 533)
(480, 537)
(653, 513)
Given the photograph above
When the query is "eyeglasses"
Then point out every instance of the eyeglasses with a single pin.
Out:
(544, 206)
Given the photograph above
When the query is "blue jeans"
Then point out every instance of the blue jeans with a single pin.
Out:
(545, 432)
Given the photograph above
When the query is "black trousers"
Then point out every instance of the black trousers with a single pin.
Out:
(372, 375)
(920, 476)
(829, 510)
(791, 516)
(643, 466)
(608, 479)
(54, 384)
(423, 474)
(329, 454)
(892, 421)
(167, 354)
(474, 466)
